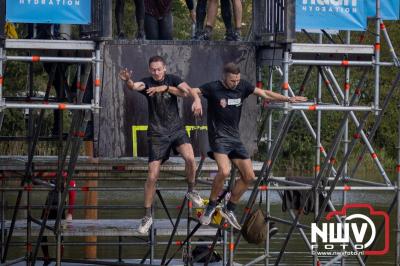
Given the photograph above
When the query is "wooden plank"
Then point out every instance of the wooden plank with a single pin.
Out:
(110, 227)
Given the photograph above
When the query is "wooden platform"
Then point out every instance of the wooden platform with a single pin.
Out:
(49, 163)
(110, 227)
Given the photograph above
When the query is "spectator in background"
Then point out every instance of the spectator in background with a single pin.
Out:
(158, 22)
(139, 13)
(52, 198)
(226, 14)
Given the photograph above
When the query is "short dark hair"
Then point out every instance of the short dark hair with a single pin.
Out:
(231, 68)
(156, 58)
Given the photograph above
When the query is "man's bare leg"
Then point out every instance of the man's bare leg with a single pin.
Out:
(224, 169)
(187, 153)
(150, 185)
(149, 190)
(212, 10)
(247, 176)
(238, 13)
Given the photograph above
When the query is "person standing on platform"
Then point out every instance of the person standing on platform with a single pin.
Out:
(139, 13)
(204, 33)
(225, 99)
(166, 129)
(158, 21)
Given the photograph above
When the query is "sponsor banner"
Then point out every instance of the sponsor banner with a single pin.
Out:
(389, 9)
(331, 15)
(49, 11)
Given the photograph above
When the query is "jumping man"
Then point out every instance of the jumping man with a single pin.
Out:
(166, 130)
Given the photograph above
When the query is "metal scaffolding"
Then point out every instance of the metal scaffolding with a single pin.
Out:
(329, 174)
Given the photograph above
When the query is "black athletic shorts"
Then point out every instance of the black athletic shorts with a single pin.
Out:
(160, 145)
(233, 148)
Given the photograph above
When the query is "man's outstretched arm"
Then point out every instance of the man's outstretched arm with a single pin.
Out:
(125, 75)
(273, 96)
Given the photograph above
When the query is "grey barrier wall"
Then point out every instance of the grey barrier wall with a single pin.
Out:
(124, 112)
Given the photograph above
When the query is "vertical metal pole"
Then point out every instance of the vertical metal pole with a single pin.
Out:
(152, 233)
(231, 247)
(188, 244)
(1, 82)
(2, 218)
(1, 76)
(346, 130)
(97, 82)
(60, 177)
(285, 84)
(317, 151)
(377, 55)
(398, 191)
(267, 193)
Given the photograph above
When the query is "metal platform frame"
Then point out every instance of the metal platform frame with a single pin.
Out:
(81, 115)
(326, 165)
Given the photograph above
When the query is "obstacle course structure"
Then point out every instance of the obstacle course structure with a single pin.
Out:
(272, 52)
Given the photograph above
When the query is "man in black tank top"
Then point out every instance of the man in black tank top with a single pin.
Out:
(166, 130)
(225, 99)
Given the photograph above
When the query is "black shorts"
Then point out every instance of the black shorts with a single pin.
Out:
(160, 145)
(233, 148)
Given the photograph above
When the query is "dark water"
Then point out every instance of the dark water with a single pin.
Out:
(296, 252)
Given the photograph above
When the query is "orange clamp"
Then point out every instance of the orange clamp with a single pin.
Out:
(259, 84)
(97, 83)
(35, 58)
(382, 26)
(345, 62)
(377, 46)
(374, 156)
(263, 188)
(231, 246)
(346, 188)
(398, 168)
(285, 86)
(312, 107)
(62, 106)
(1, 80)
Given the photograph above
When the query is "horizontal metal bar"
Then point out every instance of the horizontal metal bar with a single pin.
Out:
(49, 59)
(340, 188)
(51, 106)
(38, 44)
(338, 63)
(318, 107)
(332, 48)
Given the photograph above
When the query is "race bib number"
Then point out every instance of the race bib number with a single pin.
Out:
(236, 102)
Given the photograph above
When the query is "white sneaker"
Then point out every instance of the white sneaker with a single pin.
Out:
(205, 218)
(145, 225)
(194, 197)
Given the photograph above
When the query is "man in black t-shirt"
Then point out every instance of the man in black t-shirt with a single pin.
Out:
(166, 130)
(225, 99)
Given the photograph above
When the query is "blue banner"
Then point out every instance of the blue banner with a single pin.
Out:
(49, 11)
(389, 9)
(331, 15)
